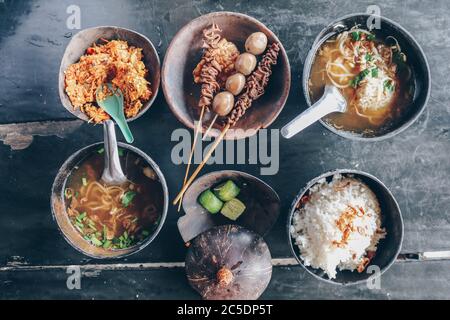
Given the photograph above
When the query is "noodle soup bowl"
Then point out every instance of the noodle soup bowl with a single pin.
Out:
(388, 248)
(416, 60)
(60, 214)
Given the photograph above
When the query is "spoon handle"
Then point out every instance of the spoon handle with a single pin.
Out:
(331, 101)
(123, 126)
(112, 173)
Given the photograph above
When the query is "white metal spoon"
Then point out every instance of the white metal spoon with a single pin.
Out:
(331, 101)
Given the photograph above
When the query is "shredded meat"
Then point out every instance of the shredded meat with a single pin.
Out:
(115, 62)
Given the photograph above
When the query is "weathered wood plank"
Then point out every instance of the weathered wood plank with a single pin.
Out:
(429, 280)
(414, 164)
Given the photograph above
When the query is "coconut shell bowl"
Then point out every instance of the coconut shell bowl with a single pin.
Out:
(229, 263)
(261, 201)
(85, 38)
(185, 52)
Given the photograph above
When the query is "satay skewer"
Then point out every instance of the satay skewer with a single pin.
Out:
(209, 69)
(210, 127)
(256, 85)
(202, 164)
(191, 153)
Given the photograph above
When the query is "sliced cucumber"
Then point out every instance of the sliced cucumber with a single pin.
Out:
(210, 202)
(233, 209)
(227, 191)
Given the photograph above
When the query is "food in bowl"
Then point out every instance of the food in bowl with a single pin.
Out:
(224, 73)
(114, 217)
(114, 62)
(337, 225)
(223, 199)
(372, 74)
(229, 82)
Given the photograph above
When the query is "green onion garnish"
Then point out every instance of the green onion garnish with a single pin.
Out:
(374, 72)
(95, 241)
(68, 193)
(370, 37)
(127, 198)
(356, 80)
(107, 244)
(101, 150)
(121, 152)
(356, 35)
(388, 85)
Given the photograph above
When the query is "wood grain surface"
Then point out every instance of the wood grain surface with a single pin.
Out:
(38, 134)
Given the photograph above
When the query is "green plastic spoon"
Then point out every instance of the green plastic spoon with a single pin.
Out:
(113, 105)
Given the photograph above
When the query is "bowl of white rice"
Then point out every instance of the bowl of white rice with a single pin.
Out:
(345, 226)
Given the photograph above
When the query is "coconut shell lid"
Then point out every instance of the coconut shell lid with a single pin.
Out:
(229, 262)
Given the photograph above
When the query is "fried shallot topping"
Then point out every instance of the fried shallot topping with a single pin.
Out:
(345, 225)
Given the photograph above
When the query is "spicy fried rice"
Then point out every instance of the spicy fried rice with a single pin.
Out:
(115, 62)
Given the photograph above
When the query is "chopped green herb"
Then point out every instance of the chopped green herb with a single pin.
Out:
(374, 72)
(121, 152)
(368, 57)
(79, 224)
(127, 198)
(101, 150)
(356, 35)
(81, 216)
(356, 80)
(68, 193)
(84, 181)
(370, 37)
(107, 244)
(145, 233)
(388, 85)
(95, 241)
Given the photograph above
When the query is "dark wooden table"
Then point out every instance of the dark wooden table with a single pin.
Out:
(39, 134)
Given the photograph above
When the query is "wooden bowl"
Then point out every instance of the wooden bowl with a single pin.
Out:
(262, 202)
(85, 38)
(185, 51)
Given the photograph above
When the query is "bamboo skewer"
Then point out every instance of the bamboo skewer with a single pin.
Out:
(201, 165)
(191, 153)
(210, 127)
